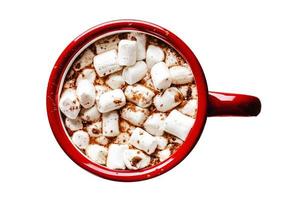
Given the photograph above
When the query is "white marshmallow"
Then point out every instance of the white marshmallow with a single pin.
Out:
(100, 89)
(162, 142)
(164, 154)
(115, 156)
(110, 124)
(97, 153)
(86, 59)
(94, 129)
(107, 44)
(68, 103)
(161, 76)
(135, 159)
(90, 114)
(139, 94)
(81, 139)
(74, 124)
(147, 82)
(143, 141)
(111, 100)
(190, 108)
(135, 73)
(155, 124)
(168, 99)
(181, 75)
(88, 74)
(141, 44)
(115, 81)
(178, 124)
(134, 114)
(107, 63)
(102, 140)
(188, 92)
(154, 55)
(171, 58)
(86, 93)
(122, 138)
(127, 52)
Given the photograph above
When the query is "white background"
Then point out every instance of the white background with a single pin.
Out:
(249, 47)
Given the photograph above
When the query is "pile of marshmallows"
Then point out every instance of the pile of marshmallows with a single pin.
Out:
(123, 68)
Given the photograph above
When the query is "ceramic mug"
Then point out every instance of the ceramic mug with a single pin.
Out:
(209, 103)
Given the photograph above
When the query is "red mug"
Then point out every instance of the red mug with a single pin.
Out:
(209, 103)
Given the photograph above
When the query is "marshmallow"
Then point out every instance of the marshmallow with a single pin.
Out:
(135, 159)
(154, 55)
(140, 44)
(100, 89)
(181, 75)
(162, 142)
(81, 139)
(88, 74)
(178, 124)
(90, 114)
(161, 76)
(110, 124)
(188, 91)
(155, 124)
(190, 108)
(96, 153)
(171, 58)
(135, 73)
(86, 59)
(111, 100)
(168, 99)
(127, 52)
(115, 81)
(74, 124)
(164, 154)
(68, 103)
(86, 93)
(94, 129)
(122, 138)
(143, 141)
(147, 82)
(102, 140)
(139, 95)
(115, 156)
(134, 114)
(107, 44)
(107, 63)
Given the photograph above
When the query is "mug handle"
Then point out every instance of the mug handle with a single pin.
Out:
(228, 104)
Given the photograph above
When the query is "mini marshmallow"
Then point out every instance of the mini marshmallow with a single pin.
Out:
(188, 91)
(168, 99)
(181, 75)
(139, 95)
(102, 140)
(162, 142)
(86, 59)
(81, 139)
(122, 138)
(101, 89)
(110, 124)
(178, 124)
(97, 153)
(115, 81)
(111, 100)
(164, 154)
(155, 124)
(161, 76)
(135, 159)
(141, 44)
(74, 124)
(94, 129)
(154, 55)
(107, 63)
(88, 74)
(171, 58)
(135, 73)
(134, 114)
(90, 114)
(127, 52)
(68, 103)
(115, 156)
(107, 44)
(190, 108)
(86, 93)
(147, 82)
(143, 141)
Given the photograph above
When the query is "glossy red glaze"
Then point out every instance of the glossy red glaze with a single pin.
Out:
(55, 81)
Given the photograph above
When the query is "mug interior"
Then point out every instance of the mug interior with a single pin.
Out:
(63, 66)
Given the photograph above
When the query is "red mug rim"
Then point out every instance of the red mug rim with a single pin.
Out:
(53, 95)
